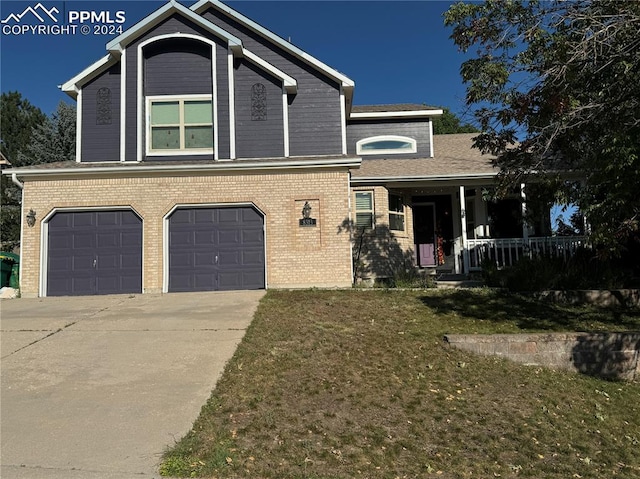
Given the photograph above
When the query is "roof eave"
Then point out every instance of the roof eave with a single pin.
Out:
(394, 114)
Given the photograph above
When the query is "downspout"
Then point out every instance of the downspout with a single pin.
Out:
(14, 179)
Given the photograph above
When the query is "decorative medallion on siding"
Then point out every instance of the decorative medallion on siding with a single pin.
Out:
(258, 102)
(103, 106)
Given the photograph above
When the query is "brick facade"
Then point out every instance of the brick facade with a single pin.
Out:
(384, 251)
(296, 256)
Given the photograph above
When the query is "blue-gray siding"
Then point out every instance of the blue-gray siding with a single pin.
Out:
(177, 66)
(101, 140)
(416, 129)
(314, 113)
(258, 138)
(173, 24)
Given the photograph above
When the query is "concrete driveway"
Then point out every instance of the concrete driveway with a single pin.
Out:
(98, 387)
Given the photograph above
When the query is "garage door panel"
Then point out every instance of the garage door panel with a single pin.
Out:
(94, 252)
(216, 232)
(133, 238)
(203, 216)
(227, 237)
(82, 219)
(204, 238)
(108, 218)
(252, 237)
(228, 215)
(84, 240)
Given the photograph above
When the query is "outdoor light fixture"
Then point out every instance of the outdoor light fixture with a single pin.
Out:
(31, 218)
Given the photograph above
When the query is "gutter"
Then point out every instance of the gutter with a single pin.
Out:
(221, 167)
(379, 179)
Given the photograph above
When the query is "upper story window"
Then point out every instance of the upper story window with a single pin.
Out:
(180, 125)
(386, 145)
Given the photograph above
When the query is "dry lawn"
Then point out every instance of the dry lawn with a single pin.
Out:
(358, 384)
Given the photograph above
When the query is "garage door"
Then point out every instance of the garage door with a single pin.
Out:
(215, 249)
(94, 252)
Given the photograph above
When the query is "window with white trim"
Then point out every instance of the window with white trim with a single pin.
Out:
(396, 212)
(386, 145)
(364, 209)
(180, 125)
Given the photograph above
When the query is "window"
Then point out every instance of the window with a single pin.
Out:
(180, 125)
(396, 212)
(470, 212)
(364, 209)
(386, 145)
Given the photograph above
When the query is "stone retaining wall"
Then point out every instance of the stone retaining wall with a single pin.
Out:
(608, 355)
(629, 298)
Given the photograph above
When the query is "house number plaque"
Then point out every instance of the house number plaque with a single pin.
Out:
(306, 219)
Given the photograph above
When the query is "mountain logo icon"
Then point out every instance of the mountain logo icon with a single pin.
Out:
(39, 12)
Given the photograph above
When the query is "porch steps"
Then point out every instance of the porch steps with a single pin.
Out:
(457, 281)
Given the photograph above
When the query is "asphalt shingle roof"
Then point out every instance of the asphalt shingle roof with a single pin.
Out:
(453, 155)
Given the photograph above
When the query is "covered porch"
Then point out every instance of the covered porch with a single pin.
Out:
(449, 228)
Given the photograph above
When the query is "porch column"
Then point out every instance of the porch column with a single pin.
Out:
(463, 229)
(525, 226)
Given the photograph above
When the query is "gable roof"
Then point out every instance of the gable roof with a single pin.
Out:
(119, 43)
(164, 12)
(346, 83)
(455, 159)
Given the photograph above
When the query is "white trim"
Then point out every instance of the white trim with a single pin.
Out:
(245, 165)
(232, 107)
(181, 98)
(71, 88)
(202, 5)
(343, 120)
(351, 222)
(164, 12)
(123, 106)
(463, 230)
(413, 148)
(140, 99)
(395, 114)
(385, 179)
(525, 226)
(285, 121)
(79, 127)
(141, 102)
(289, 83)
(165, 233)
(214, 100)
(431, 153)
(44, 240)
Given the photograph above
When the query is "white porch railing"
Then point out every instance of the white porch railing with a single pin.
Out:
(506, 251)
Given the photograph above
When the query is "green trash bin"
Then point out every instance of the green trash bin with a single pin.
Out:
(9, 262)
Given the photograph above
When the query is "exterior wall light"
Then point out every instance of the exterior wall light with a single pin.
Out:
(31, 218)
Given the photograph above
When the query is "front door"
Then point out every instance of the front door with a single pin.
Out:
(424, 232)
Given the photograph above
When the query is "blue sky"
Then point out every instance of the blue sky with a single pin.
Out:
(395, 51)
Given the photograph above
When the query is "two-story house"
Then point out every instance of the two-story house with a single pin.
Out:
(214, 155)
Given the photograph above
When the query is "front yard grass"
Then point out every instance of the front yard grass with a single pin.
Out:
(358, 384)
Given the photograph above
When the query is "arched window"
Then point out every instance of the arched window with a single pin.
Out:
(386, 145)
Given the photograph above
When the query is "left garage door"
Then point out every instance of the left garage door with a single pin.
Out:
(94, 252)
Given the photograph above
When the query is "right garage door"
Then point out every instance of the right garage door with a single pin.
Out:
(216, 249)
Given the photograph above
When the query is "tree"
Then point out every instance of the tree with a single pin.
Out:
(29, 137)
(448, 123)
(54, 139)
(555, 88)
